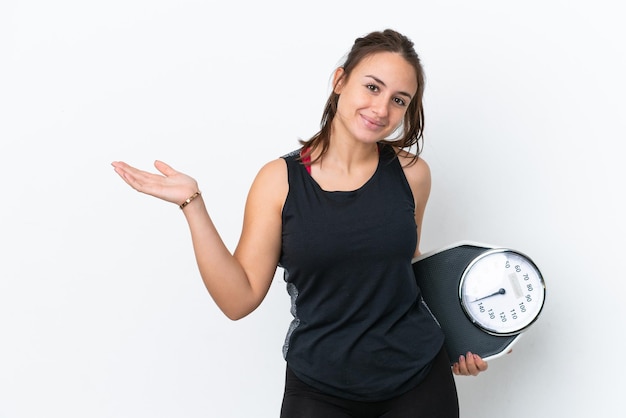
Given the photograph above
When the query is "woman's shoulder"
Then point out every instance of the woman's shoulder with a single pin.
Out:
(273, 171)
(270, 186)
(416, 169)
(411, 162)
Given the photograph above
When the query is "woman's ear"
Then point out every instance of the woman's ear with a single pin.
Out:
(338, 79)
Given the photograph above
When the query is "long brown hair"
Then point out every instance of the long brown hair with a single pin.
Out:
(387, 40)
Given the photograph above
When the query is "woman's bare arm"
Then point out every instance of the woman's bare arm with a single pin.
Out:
(238, 281)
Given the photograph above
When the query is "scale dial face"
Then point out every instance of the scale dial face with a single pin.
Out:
(502, 292)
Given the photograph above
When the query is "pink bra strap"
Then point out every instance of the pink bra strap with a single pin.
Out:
(306, 160)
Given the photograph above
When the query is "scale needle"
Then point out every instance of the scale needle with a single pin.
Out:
(502, 291)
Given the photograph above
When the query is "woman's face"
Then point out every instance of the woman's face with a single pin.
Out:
(374, 99)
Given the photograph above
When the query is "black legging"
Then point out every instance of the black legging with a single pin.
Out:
(434, 397)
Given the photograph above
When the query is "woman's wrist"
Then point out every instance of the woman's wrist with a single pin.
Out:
(189, 199)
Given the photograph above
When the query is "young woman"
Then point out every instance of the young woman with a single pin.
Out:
(342, 216)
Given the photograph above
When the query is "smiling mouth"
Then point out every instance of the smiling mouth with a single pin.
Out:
(373, 122)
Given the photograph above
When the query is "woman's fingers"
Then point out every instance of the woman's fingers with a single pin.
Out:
(168, 185)
(135, 178)
(122, 170)
(469, 365)
(165, 169)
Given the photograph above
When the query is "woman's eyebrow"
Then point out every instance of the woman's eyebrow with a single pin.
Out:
(379, 81)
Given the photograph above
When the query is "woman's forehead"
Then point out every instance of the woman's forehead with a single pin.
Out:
(389, 67)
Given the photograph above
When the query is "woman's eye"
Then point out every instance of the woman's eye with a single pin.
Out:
(372, 87)
(399, 101)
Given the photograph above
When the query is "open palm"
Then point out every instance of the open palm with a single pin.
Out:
(170, 185)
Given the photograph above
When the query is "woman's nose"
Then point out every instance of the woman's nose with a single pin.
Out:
(380, 106)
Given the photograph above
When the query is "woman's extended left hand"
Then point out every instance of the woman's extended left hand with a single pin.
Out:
(469, 365)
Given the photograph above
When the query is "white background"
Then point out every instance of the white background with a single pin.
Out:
(102, 311)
